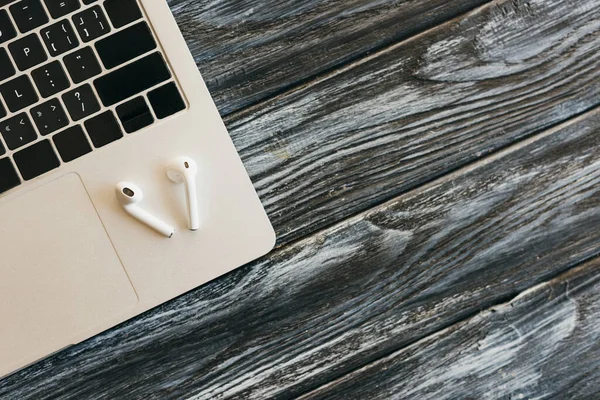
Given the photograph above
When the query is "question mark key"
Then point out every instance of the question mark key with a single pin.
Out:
(81, 102)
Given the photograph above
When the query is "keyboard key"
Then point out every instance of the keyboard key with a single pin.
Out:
(135, 115)
(36, 160)
(6, 66)
(81, 102)
(7, 29)
(28, 52)
(60, 8)
(132, 79)
(125, 45)
(166, 100)
(87, 2)
(50, 79)
(122, 12)
(103, 129)
(3, 114)
(82, 64)
(8, 175)
(91, 23)
(17, 131)
(18, 93)
(49, 117)
(28, 14)
(59, 38)
(72, 143)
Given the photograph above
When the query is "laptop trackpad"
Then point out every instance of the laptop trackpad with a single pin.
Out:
(60, 278)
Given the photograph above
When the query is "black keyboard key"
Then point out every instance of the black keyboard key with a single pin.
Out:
(59, 38)
(7, 29)
(166, 100)
(125, 45)
(103, 129)
(60, 8)
(28, 52)
(28, 14)
(49, 117)
(82, 64)
(91, 23)
(81, 102)
(6, 66)
(8, 175)
(17, 131)
(132, 79)
(3, 114)
(87, 2)
(18, 93)
(36, 160)
(135, 115)
(50, 79)
(72, 143)
(122, 12)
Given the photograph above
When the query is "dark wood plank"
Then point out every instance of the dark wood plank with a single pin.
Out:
(331, 303)
(542, 344)
(338, 146)
(249, 50)
(419, 110)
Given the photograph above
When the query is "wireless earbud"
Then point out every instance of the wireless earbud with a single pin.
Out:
(130, 196)
(184, 170)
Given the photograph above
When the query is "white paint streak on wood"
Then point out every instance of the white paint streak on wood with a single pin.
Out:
(250, 50)
(420, 108)
(369, 285)
(540, 345)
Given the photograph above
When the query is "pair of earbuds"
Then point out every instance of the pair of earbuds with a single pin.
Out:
(181, 170)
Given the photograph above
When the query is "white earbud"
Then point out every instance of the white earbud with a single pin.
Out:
(184, 170)
(130, 196)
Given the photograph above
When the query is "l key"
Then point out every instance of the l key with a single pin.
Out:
(18, 93)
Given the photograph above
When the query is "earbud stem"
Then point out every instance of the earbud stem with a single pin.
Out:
(150, 220)
(191, 196)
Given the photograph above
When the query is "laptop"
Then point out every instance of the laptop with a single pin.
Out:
(98, 99)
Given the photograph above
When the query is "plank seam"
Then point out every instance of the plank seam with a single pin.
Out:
(434, 180)
(351, 63)
(504, 300)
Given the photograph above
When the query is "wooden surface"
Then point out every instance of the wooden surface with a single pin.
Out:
(412, 184)
(545, 341)
(249, 50)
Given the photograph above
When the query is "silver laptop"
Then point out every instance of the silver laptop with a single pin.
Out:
(119, 185)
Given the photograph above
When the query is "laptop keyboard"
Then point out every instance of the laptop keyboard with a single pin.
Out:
(75, 76)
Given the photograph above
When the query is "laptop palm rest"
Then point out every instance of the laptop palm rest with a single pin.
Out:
(61, 280)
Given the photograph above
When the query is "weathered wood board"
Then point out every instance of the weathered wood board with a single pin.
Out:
(545, 343)
(360, 290)
(335, 301)
(248, 50)
(420, 109)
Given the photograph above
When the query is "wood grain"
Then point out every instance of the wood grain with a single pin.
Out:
(332, 302)
(420, 109)
(249, 50)
(358, 291)
(542, 344)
